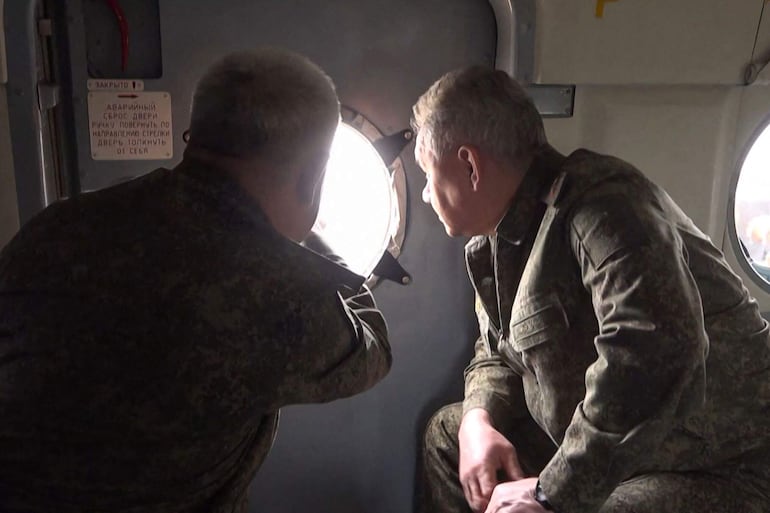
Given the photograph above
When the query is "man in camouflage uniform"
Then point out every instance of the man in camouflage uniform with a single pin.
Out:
(622, 366)
(150, 332)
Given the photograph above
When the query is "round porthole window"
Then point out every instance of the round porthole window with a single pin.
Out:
(752, 207)
(363, 199)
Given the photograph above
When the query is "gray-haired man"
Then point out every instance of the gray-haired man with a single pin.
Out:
(150, 332)
(622, 366)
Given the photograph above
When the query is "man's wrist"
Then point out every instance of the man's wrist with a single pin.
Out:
(541, 498)
(478, 414)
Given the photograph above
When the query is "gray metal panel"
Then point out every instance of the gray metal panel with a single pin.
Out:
(9, 213)
(3, 66)
(356, 454)
(23, 113)
(553, 101)
(515, 38)
(104, 42)
(380, 59)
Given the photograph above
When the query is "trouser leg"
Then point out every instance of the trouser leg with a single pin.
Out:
(439, 489)
(742, 488)
(684, 492)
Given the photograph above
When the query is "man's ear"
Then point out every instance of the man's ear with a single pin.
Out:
(305, 185)
(309, 181)
(469, 156)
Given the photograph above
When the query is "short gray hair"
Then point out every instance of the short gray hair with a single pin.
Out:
(266, 101)
(479, 106)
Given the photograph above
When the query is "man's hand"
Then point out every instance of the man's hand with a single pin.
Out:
(484, 452)
(515, 497)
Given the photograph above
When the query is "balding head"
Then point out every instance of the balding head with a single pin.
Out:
(267, 103)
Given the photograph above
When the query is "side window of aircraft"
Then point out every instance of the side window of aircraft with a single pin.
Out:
(363, 201)
(752, 207)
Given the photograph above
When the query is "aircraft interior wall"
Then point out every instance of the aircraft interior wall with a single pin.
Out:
(677, 135)
(671, 87)
(9, 216)
(616, 42)
(657, 83)
(690, 139)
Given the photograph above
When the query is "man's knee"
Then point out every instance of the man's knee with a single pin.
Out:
(442, 428)
(438, 488)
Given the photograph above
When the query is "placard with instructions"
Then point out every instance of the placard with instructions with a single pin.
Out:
(130, 125)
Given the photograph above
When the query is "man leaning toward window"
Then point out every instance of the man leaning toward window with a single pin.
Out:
(621, 367)
(150, 332)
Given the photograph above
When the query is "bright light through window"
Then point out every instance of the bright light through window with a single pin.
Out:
(752, 206)
(356, 216)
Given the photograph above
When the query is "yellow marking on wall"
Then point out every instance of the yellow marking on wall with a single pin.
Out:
(600, 7)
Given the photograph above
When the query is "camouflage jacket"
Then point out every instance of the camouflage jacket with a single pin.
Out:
(149, 334)
(607, 316)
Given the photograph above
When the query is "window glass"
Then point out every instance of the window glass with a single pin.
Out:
(358, 216)
(752, 207)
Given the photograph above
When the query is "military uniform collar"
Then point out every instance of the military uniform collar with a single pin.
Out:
(536, 188)
(217, 183)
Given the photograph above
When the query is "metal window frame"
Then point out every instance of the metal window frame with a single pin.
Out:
(732, 233)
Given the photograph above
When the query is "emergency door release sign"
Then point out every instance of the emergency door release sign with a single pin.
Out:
(130, 125)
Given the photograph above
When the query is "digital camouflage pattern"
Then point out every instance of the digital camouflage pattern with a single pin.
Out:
(149, 335)
(610, 320)
(659, 492)
(441, 490)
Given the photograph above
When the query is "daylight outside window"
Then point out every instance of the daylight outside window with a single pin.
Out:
(752, 207)
(359, 215)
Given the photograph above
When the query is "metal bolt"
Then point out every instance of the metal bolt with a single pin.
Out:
(408, 135)
(406, 280)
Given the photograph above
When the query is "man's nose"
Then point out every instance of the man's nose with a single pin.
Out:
(426, 193)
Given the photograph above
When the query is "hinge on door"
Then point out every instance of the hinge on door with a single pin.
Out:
(48, 95)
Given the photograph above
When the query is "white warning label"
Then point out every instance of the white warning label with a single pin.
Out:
(130, 125)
